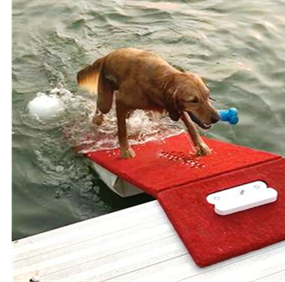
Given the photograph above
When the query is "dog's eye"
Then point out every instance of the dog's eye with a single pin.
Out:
(194, 100)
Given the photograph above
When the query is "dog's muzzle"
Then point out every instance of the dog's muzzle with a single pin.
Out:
(198, 122)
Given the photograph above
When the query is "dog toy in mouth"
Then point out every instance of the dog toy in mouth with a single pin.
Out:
(230, 115)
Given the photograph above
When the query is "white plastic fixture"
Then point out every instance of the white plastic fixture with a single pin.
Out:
(242, 198)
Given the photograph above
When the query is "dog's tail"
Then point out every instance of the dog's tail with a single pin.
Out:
(89, 76)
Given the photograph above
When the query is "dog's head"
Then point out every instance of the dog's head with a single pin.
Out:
(188, 92)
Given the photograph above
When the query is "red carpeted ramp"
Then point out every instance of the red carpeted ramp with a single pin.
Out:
(181, 182)
(211, 238)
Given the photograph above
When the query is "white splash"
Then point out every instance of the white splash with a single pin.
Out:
(74, 114)
(45, 108)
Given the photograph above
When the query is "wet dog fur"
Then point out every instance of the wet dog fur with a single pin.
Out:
(142, 80)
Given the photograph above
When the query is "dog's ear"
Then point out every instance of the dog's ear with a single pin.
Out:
(170, 103)
(203, 81)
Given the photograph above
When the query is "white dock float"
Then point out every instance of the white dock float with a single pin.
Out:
(135, 244)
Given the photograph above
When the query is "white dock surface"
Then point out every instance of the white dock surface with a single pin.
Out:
(135, 244)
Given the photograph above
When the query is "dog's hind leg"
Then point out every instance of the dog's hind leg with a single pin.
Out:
(106, 90)
(98, 118)
(126, 150)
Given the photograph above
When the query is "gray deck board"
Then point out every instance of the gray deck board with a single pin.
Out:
(136, 244)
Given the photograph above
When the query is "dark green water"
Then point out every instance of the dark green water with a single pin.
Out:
(238, 46)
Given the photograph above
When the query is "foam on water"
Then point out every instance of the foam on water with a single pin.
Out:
(45, 107)
(74, 114)
(140, 126)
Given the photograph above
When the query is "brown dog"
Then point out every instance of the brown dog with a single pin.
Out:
(142, 80)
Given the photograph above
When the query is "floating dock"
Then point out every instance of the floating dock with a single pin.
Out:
(135, 244)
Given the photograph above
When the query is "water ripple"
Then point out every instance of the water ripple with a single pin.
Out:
(237, 46)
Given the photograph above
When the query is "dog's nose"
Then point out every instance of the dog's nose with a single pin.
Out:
(215, 118)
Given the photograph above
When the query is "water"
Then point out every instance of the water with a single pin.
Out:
(238, 46)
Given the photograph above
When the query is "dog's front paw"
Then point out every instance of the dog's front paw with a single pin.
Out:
(127, 153)
(203, 149)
